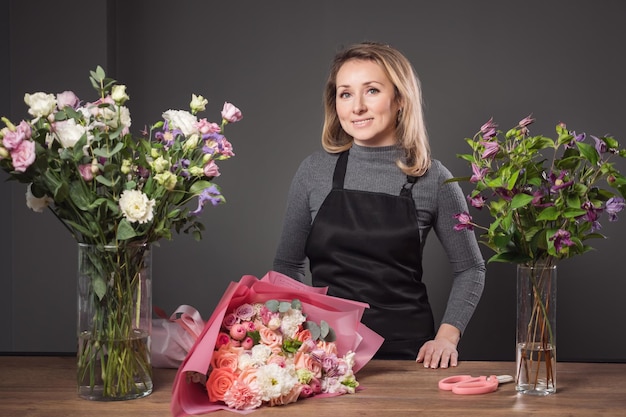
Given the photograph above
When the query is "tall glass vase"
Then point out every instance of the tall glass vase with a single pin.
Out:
(114, 321)
(536, 329)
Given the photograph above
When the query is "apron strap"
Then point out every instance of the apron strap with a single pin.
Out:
(340, 171)
(407, 188)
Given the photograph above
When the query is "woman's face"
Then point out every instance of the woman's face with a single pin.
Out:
(366, 104)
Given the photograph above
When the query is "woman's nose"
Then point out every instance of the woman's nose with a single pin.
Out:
(359, 106)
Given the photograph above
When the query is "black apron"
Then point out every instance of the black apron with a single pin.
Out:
(365, 246)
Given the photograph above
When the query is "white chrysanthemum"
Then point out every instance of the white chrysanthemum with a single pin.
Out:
(274, 381)
(292, 319)
(260, 353)
(136, 206)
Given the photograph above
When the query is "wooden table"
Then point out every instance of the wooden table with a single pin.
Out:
(32, 386)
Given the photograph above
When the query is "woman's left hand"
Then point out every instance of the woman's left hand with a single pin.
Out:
(441, 352)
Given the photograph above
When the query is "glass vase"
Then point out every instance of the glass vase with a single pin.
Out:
(536, 329)
(114, 321)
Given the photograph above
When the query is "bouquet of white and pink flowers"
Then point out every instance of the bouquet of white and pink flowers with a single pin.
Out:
(116, 194)
(272, 342)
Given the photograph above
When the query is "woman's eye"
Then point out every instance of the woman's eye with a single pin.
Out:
(372, 90)
(344, 94)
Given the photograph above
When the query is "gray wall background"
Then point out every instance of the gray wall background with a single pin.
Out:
(559, 60)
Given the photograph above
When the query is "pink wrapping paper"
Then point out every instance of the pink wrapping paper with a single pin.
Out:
(174, 336)
(344, 316)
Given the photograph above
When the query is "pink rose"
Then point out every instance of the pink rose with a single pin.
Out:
(229, 320)
(222, 340)
(231, 113)
(247, 343)
(238, 331)
(291, 397)
(12, 138)
(306, 391)
(23, 155)
(220, 380)
(225, 358)
(315, 385)
(305, 361)
(270, 338)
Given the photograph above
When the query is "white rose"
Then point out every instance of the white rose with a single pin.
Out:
(68, 132)
(183, 120)
(136, 207)
(41, 104)
(118, 94)
(36, 203)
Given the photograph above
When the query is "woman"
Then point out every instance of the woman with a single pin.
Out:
(361, 210)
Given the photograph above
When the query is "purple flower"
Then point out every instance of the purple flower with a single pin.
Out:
(561, 238)
(526, 121)
(478, 173)
(558, 183)
(465, 221)
(601, 146)
(211, 194)
(491, 149)
(613, 206)
(488, 130)
(577, 138)
(591, 216)
(478, 201)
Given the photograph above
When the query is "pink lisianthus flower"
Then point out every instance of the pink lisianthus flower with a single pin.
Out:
(230, 113)
(86, 172)
(23, 155)
(211, 169)
(67, 99)
(206, 128)
(247, 343)
(12, 138)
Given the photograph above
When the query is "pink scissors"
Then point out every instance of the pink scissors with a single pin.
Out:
(467, 384)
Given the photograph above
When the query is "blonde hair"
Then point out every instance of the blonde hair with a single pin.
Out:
(410, 128)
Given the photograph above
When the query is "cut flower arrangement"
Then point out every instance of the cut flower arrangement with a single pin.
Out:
(116, 194)
(273, 341)
(269, 353)
(546, 197)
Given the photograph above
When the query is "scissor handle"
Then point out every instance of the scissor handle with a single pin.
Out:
(448, 383)
(479, 385)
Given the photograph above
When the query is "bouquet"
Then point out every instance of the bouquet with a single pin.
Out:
(116, 194)
(271, 342)
(544, 207)
(546, 197)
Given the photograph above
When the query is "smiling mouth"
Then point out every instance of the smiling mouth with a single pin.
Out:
(361, 122)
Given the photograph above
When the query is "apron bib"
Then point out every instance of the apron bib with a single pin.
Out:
(365, 246)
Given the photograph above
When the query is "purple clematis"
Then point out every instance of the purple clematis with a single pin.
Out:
(613, 206)
(478, 173)
(561, 238)
(465, 221)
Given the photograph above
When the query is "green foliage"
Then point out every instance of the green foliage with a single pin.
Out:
(545, 196)
(86, 159)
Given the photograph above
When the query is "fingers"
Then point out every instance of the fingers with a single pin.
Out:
(435, 354)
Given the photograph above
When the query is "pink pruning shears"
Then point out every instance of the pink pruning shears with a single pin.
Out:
(467, 384)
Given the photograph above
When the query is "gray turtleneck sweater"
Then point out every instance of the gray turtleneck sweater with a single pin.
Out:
(374, 169)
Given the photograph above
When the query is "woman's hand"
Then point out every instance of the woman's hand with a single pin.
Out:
(441, 352)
